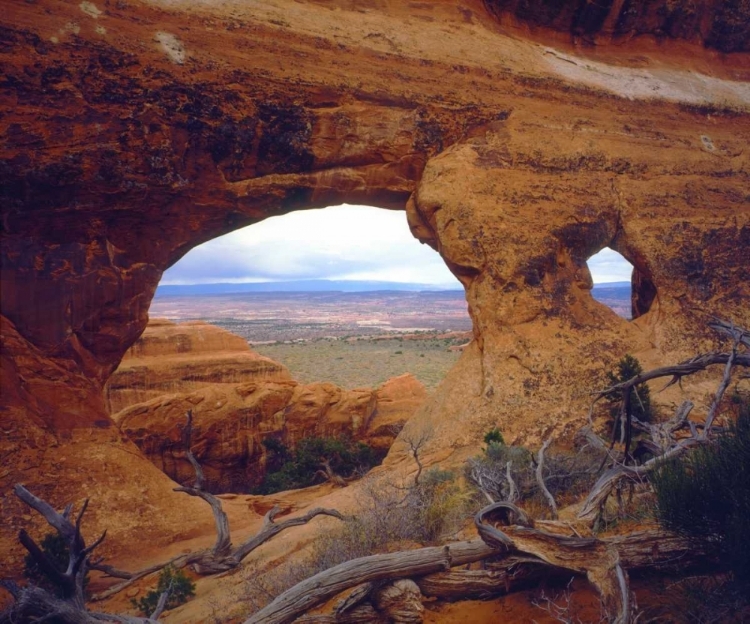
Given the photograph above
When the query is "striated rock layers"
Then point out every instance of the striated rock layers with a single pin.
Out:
(169, 358)
(134, 131)
(238, 399)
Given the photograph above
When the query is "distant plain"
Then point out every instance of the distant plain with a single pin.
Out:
(352, 339)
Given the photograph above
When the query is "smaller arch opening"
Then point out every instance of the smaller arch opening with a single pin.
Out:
(613, 281)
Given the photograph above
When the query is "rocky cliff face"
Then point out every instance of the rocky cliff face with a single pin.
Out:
(238, 399)
(133, 131)
(712, 23)
(232, 420)
(169, 358)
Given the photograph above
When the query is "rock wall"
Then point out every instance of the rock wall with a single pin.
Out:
(713, 23)
(133, 131)
(232, 420)
(173, 358)
(238, 399)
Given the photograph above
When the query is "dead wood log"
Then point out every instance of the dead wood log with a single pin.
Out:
(324, 585)
(35, 604)
(595, 559)
(514, 555)
(508, 574)
(540, 479)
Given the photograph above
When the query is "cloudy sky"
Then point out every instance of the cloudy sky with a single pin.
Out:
(337, 243)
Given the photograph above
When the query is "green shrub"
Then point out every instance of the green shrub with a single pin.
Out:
(300, 468)
(640, 397)
(494, 437)
(180, 588)
(706, 494)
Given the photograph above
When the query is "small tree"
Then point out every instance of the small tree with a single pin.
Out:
(176, 582)
(494, 436)
(640, 397)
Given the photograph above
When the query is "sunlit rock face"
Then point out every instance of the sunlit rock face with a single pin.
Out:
(133, 131)
(172, 358)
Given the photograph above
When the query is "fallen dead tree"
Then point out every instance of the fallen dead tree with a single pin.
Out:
(664, 443)
(223, 556)
(513, 557)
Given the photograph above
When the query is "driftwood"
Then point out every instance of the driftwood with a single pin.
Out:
(664, 444)
(35, 604)
(222, 557)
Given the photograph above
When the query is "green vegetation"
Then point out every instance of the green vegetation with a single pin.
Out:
(494, 436)
(640, 397)
(180, 588)
(304, 466)
(364, 362)
(705, 494)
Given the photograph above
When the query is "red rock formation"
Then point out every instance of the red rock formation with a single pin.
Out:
(170, 358)
(238, 399)
(232, 420)
(133, 132)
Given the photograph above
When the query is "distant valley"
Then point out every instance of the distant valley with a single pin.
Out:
(353, 339)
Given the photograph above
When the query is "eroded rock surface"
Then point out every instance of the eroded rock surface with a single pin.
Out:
(135, 131)
(238, 399)
(172, 358)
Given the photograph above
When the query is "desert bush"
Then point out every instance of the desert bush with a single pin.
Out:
(180, 588)
(705, 494)
(640, 397)
(299, 468)
(566, 473)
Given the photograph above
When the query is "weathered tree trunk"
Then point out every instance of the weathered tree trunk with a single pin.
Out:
(324, 585)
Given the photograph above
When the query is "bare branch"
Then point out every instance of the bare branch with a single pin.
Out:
(512, 489)
(540, 478)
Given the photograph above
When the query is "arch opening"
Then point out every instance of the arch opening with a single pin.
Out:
(333, 275)
(614, 278)
(300, 326)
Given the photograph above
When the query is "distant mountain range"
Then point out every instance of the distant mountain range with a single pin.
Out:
(224, 288)
(612, 285)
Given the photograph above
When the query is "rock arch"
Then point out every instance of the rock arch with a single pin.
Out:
(119, 156)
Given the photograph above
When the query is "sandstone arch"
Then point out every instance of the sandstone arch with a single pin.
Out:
(119, 154)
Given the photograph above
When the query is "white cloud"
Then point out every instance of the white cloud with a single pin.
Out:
(609, 266)
(341, 243)
(338, 243)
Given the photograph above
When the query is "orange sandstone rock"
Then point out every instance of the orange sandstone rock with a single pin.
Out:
(519, 141)
(238, 399)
